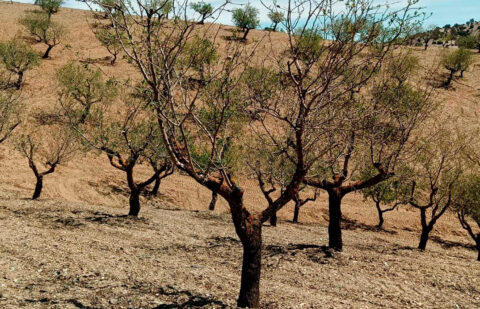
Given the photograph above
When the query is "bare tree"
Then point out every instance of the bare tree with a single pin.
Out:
(10, 108)
(299, 202)
(45, 148)
(437, 167)
(196, 121)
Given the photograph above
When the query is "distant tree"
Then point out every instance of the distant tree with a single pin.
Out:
(47, 147)
(477, 36)
(85, 87)
(466, 201)
(50, 7)
(17, 57)
(43, 30)
(276, 17)
(246, 18)
(128, 134)
(202, 8)
(108, 39)
(467, 42)
(387, 195)
(429, 34)
(436, 169)
(10, 108)
(300, 202)
(456, 61)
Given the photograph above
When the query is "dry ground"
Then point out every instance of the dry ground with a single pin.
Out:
(72, 249)
(70, 255)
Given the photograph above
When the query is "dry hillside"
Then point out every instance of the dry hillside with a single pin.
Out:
(72, 249)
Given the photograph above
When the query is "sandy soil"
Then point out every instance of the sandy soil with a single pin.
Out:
(68, 250)
(67, 255)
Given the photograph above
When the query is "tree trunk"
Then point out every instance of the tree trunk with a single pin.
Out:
(47, 52)
(335, 216)
(134, 203)
(251, 267)
(213, 202)
(296, 211)
(112, 62)
(449, 80)
(38, 188)
(245, 33)
(461, 74)
(273, 220)
(156, 186)
(478, 246)
(424, 238)
(380, 215)
(274, 27)
(18, 84)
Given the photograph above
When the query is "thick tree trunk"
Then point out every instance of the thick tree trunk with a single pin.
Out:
(213, 202)
(38, 188)
(134, 203)
(47, 52)
(245, 33)
(273, 220)
(424, 238)
(335, 216)
(251, 267)
(156, 186)
(275, 27)
(478, 246)
(449, 80)
(18, 84)
(380, 215)
(296, 212)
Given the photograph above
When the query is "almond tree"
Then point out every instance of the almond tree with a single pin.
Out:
(17, 58)
(10, 108)
(204, 9)
(466, 201)
(374, 136)
(283, 108)
(45, 148)
(246, 18)
(300, 202)
(436, 170)
(43, 30)
(456, 61)
(50, 7)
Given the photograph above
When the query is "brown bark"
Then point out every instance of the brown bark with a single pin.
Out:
(134, 203)
(273, 220)
(335, 216)
(156, 186)
(47, 52)
(18, 83)
(38, 187)
(296, 212)
(213, 202)
(380, 214)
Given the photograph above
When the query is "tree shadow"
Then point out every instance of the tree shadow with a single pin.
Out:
(315, 253)
(447, 244)
(78, 304)
(187, 299)
(352, 224)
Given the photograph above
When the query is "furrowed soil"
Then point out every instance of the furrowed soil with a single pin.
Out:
(74, 248)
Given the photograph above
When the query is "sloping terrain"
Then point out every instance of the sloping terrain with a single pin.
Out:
(71, 248)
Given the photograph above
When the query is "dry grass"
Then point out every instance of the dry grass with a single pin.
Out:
(62, 251)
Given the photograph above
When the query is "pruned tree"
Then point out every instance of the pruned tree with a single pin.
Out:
(276, 17)
(46, 147)
(10, 108)
(43, 30)
(108, 40)
(50, 7)
(456, 61)
(283, 104)
(17, 57)
(466, 202)
(374, 136)
(204, 9)
(84, 87)
(436, 170)
(246, 18)
(300, 202)
(387, 195)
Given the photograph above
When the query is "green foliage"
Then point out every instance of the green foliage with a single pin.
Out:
(467, 42)
(80, 87)
(49, 6)
(466, 196)
(109, 39)
(392, 190)
(276, 17)
(246, 18)
(202, 8)
(43, 29)
(309, 45)
(17, 57)
(200, 53)
(458, 60)
(10, 112)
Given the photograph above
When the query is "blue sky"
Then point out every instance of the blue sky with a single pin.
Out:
(443, 11)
